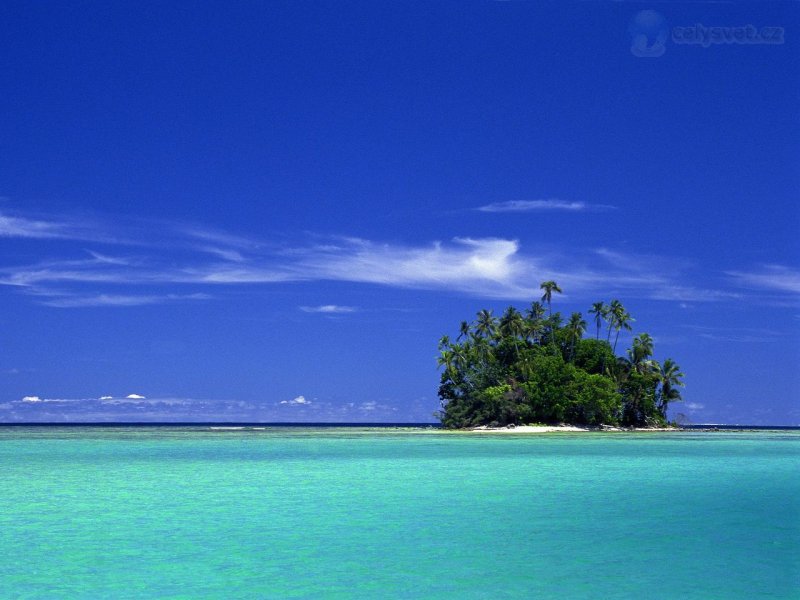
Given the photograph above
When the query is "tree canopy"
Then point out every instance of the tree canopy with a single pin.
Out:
(532, 367)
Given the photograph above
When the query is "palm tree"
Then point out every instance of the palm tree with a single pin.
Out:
(644, 344)
(482, 350)
(464, 331)
(599, 310)
(576, 328)
(622, 321)
(640, 353)
(611, 312)
(446, 359)
(512, 325)
(485, 326)
(444, 342)
(670, 377)
(536, 311)
(620, 371)
(460, 356)
(549, 287)
(534, 325)
(619, 319)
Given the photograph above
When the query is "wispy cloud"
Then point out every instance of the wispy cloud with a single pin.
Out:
(225, 254)
(551, 204)
(329, 309)
(748, 335)
(487, 266)
(109, 260)
(49, 227)
(773, 277)
(683, 294)
(218, 238)
(119, 300)
(171, 256)
(21, 227)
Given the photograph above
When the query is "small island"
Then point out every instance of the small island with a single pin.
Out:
(535, 368)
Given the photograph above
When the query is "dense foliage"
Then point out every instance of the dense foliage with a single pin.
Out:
(536, 368)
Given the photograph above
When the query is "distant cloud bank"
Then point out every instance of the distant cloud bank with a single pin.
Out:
(300, 400)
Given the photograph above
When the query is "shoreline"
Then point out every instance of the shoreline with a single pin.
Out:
(564, 429)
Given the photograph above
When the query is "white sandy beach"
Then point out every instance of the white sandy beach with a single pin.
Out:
(560, 429)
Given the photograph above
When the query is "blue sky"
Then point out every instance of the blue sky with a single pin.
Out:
(272, 211)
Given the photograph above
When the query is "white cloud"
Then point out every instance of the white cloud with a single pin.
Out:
(28, 228)
(379, 409)
(776, 277)
(226, 275)
(118, 300)
(551, 204)
(31, 399)
(217, 237)
(480, 267)
(749, 335)
(109, 260)
(54, 228)
(682, 294)
(693, 406)
(300, 400)
(329, 309)
(106, 397)
(487, 266)
(136, 399)
(226, 254)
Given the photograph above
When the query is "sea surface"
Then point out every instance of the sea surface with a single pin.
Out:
(293, 512)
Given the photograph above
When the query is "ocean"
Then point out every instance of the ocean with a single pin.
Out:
(354, 512)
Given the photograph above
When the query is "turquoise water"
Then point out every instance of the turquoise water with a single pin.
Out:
(303, 513)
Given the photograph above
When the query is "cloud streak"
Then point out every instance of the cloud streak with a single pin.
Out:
(330, 309)
(21, 227)
(549, 205)
(774, 277)
(194, 260)
(119, 300)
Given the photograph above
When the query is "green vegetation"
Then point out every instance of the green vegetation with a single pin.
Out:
(534, 368)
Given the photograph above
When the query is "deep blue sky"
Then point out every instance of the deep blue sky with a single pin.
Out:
(271, 211)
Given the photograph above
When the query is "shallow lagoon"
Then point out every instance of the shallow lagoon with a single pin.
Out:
(359, 512)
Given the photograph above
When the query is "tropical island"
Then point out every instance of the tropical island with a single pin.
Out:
(535, 368)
